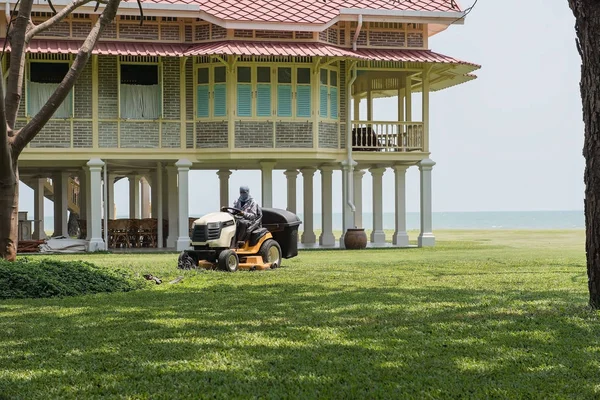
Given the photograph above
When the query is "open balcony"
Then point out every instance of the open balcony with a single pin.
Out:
(387, 136)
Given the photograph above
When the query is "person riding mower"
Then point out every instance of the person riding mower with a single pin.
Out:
(269, 238)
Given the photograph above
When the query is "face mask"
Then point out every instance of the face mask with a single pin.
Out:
(243, 197)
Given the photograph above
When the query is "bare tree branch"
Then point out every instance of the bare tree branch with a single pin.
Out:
(28, 132)
(54, 19)
(17, 62)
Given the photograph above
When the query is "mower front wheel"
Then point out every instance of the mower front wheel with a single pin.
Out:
(270, 251)
(228, 261)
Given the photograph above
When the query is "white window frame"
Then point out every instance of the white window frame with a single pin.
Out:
(71, 94)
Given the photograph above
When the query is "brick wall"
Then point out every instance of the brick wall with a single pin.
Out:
(189, 135)
(171, 99)
(137, 32)
(260, 34)
(342, 37)
(107, 134)
(415, 39)
(218, 32)
(169, 32)
(211, 135)
(332, 35)
(343, 134)
(304, 35)
(83, 93)
(293, 135)
(189, 33)
(202, 32)
(328, 135)
(80, 29)
(342, 104)
(82, 134)
(323, 36)
(108, 87)
(387, 38)
(171, 135)
(253, 134)
(139, 134)
(362, 37)
(61, 29)
(55, 134)
(110, 32)
(243, 33)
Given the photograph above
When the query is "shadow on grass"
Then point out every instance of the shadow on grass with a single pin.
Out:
(301, 341)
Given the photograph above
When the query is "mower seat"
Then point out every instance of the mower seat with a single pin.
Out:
(257, 234)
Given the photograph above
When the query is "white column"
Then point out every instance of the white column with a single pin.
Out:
(266, 168)
(87, 198)
(165, 199)
(400, 237)
(145, 196)
(369, 103)
(326, 238)
(426, 237)
(425, 109)
(356, 115)
(134, 196)
(378, 235)
(408, 98)
(111, 196)
(224, 175)
(82, 198)
(308, 236)
(173, 205)
(38, 209)
(291, 175)
(94, 222)
(60, 184)
(183, 239)
(153, 195)
(158, 187)
(358, 214)
(347, 198)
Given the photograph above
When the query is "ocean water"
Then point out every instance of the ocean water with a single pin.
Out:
(459, 220)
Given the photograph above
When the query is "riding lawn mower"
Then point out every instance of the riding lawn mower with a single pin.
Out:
(272, 237)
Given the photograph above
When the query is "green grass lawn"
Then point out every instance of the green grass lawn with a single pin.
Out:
(484, 314)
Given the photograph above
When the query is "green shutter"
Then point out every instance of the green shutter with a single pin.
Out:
(323, 101)
(303, 101)
(284, 101)
(334, 102)
(202, 101)
(244, 100)
(263, 100)
(220, 100)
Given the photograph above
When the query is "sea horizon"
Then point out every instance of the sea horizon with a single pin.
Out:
(567, 219)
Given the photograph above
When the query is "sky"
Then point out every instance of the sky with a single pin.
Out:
(511, 140)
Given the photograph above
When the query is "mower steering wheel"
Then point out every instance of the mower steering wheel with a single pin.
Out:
(231, 210)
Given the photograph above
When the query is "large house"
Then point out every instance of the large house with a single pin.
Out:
(236, 84)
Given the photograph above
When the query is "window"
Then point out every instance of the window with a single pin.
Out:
(140, 92)
(263, 91)
(44, 78)
(288, 80)
(328, 94)
(215, 105)
(244, 91)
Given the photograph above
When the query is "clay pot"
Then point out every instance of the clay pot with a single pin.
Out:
(355, 239)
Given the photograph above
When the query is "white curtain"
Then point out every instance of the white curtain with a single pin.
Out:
(140, 101)
(38, 95)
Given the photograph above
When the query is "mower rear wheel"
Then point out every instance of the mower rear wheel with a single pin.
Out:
(228, 261)
(270, 251)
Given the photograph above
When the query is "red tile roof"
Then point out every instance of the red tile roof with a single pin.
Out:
(303, 11)
(419, 56)
(246, 48)
(107, 48)
(268, 49)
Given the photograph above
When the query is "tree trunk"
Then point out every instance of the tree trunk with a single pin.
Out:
(9, 216)
(587, 15)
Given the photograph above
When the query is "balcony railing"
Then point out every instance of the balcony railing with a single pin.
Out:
(387, 136)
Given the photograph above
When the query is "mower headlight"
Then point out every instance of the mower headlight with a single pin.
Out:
(213, 225)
